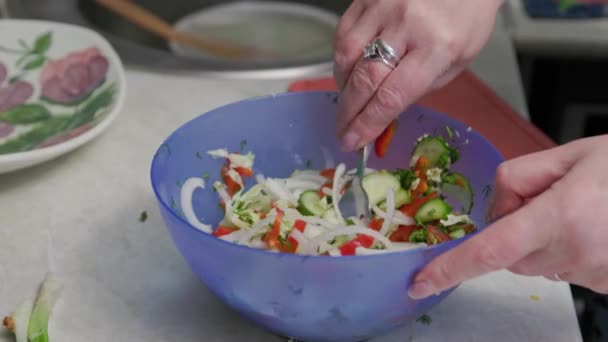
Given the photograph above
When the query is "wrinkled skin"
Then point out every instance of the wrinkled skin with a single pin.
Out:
(550, 217)
(436, 39)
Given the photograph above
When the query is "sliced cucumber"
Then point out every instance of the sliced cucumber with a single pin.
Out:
(402, 197)
(435, 209)
(457, 234)
(310, 204)
(376, 185)
(457, 187)
(436, 150)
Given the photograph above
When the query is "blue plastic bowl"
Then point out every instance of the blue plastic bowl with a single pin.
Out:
(312, 298)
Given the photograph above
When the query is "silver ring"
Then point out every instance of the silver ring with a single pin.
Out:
(380, 51)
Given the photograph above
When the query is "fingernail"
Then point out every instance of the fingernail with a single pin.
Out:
(421, 289)
(350, 141)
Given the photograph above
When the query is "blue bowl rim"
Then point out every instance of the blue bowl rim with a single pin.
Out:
(218, 110)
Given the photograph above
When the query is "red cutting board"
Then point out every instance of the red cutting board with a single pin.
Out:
(469, 100)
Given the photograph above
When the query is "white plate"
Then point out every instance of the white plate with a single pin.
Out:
(71, 86)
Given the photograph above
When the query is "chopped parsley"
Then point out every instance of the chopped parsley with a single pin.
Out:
(418, 236)
(206, 175)
(243, 144)
(448, 130)
(179, 184)
(424, 319)
(534, 298)
(406, 177)
(308, 163)
(143, 216)
(198, 155)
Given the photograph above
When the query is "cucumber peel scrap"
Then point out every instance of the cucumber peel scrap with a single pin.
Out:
(29, 321)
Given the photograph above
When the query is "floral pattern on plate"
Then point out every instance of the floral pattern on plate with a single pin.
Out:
(47, 99)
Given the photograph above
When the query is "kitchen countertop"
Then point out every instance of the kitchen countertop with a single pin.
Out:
(124, 280)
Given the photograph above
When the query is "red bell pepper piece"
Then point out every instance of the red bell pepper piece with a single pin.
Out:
(293, 243)
(410, 209)
(328, 173)
(232, 187)
(435, 236)
(384, 140)
(243, 171)
(402, 234)
(361, 240)
(376, 224)
(272, 237)
(422, 164)
(222, 230)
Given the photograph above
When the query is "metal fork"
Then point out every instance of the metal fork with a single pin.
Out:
(355, 201)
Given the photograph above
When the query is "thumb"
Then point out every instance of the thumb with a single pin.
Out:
(499, 246)
(523, 178)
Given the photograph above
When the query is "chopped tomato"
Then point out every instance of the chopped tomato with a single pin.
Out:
(330, 186)
(272, 237)
(365, 240)
(376, 223)
(422, 164)
(292, 244)
(325, 186)
(361, 240)
(222, 230)
(243, 171)
(232, 186)
(469, 228)
(435, 236)
(328, 173)
(384, 140)
(410, 209)
(422, 187)
(402, 234)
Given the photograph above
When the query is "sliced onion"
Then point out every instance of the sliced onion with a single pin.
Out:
(335, 191)
(309, 175)
(278, 191)
(259, 244)
(300, 238)
(236, 177)
(398, 218)
(301, 184)
(186, 203)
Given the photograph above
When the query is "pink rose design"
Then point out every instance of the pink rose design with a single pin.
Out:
(6, 129)
(14, 93)
(73, 77)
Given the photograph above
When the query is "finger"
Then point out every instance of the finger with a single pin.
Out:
(448, 76)
(499, 246)
(349, 46)
(365, 80)
(596, 279)
(410, 80)
(528, 176)
(543, 263)
(350, 17)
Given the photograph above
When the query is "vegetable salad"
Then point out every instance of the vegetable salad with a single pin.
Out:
(301, 213)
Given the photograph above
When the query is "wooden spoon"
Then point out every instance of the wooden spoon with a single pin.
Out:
(156, 25)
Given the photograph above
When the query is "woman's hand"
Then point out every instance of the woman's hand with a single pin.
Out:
(552, 219)
(435, 39)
